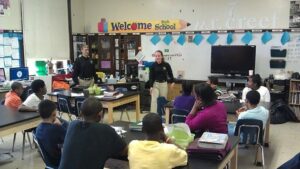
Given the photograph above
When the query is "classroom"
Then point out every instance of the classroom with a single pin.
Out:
(137, 84)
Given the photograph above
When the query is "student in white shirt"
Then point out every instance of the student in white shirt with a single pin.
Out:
(39, 89)
(255, 83)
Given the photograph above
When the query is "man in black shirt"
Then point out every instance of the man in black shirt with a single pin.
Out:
(160, 73)
(84, 70)
(88, 143)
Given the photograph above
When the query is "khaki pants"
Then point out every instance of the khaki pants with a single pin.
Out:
(158, 90)
(86, 83)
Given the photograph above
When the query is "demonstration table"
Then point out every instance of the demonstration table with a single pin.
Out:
(109, 103)
(193, 162)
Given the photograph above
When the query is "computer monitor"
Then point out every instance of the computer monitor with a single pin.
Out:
(19, 73)
(2, 75)
(132, 69)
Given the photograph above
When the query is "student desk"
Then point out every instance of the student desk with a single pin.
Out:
(14, 121)
(110, 104)
(2, 93)
(193, 163)
(231, 106)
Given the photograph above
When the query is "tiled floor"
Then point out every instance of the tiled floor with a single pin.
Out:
(284, 145)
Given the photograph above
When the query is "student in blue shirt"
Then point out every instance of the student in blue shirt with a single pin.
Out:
(50, 133)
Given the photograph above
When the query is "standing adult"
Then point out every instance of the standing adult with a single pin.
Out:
(84, 70)
(160, 73)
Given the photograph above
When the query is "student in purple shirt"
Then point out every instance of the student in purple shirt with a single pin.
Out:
(186, 100)
(207, 114)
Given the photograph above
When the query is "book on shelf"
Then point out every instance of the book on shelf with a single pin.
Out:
(213, 140)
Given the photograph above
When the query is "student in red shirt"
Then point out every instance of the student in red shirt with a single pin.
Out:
(12, 98)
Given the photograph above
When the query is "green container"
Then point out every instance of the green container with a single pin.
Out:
(180, 134)
(41, 68)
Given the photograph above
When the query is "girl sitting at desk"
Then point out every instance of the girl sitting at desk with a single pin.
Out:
(186, 100)
(207, 114)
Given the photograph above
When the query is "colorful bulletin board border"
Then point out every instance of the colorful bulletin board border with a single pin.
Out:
(142, 26)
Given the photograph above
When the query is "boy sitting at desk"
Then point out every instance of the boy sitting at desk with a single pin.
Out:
(252, 110)
(12, 98)
(213, 82)
(39, 89)
(88, 143)
(155, 152)
(50, 133)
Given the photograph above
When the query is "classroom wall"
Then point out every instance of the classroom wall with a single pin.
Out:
(77, 7)
(45, 26)
(12, 18)
(202, 14)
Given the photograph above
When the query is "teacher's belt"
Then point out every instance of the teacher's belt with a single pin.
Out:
(160, 81)
(86, 78)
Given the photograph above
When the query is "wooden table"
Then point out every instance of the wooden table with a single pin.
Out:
(110, 104)
(193, 162)
(13, 121)
(231, 108)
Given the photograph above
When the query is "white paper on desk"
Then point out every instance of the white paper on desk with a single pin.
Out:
(15, 63)
(119, 130)
(1, 51)
(76, 94)
(7, 61)
(99, 96)
(14, 42)
(15, 54)
(1, 39)
(140, 124)
(6, 41)
(7, 51)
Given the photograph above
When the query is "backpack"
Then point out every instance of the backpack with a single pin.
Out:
(281, 113)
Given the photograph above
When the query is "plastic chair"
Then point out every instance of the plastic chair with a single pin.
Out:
(78, 103)
(124, 108)
(248, 127)
(178, 115)
(40, 151)
(64, 105)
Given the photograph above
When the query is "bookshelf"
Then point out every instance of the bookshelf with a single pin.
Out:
(294, 96)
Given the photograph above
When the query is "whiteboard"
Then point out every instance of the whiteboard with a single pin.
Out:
(195, 60)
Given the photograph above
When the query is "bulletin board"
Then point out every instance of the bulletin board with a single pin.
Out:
(10, 50)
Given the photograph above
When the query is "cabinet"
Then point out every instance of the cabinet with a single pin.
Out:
(111, 53)
(294, 96)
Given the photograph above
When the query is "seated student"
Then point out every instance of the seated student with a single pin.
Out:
(12, 98)
(255, 83)
(207, 114)
(186, 100)
(50, 133)
(213, 82)
(252, 111)
(39, 89)
(154, 152)
(88, 143)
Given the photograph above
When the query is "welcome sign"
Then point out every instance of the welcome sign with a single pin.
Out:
(142, 26)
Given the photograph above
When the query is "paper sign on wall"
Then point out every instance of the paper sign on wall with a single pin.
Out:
(167, 25)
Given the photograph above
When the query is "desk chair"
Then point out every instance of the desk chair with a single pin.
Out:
(40, 151)
(123, 108)
(64, 105)
(178, 115)
(25, 132)
(78, 103)
(246, 125)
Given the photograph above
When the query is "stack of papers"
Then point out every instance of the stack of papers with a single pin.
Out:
(213, 140)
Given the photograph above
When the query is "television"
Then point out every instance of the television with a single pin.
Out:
(2, 75)
(233, 59)
(19, 73)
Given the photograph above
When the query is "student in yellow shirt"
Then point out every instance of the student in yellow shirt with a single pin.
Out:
(156, 152)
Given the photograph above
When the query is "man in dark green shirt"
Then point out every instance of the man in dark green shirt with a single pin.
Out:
(88, 143)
